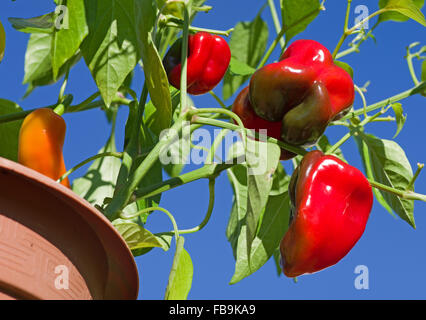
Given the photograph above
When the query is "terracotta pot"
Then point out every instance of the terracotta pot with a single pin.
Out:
(55, 245)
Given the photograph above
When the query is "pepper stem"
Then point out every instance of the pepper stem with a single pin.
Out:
(420, 167)
(60, 109)
(404, 194)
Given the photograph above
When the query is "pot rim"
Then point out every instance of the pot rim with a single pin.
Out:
(56, 189)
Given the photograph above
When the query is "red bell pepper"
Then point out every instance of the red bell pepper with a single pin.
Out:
(331, 203)
(305, 90)
(208, 59)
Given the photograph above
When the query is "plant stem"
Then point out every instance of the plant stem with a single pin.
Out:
(231, 126)
(345, 29)
(281, 34)
(208, 214)
(381, 104)
(166, 44)
(227, 112)
(364, 101)
(146, 210)
(222, 104)
(64, 85)
(409, 195)
(409, 58)
(339, 143)
(184, 59)
(271, 48)
(177, 23)
(384, 119)
(81, 164)
(123, 194)
(22, 114)
(85, 105)
(361, 23)
(205, 172)
(355, 47)
(411, 69)
(420, 167)
(276, 21)
(349, 134)
(216, 143)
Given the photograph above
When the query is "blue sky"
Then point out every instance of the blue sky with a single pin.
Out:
(394, 253)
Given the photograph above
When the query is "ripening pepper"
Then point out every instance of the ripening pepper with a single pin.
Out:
(304, 91)
(242, 107)
(208, 59)
(41, 139)
(331, 202)
(2, 41)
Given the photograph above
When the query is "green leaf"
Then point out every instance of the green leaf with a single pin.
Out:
(9, 132)
(277, 260)
(239, 68)
(272, 225)
(153, 116)
(297, 15)
(111, 47)
(180, 280)
(137, 140)
(400, 118)
(155, 75)
(345, 67)
(402, 10)
(41, 24)
(38, 62)
(280, 181)
(154, 175)
(391, 167)
(179, 149)
(67, 40)
(363, 150)
(262, 160)
(174, 8)
(164, 240)
(248, 44)
(179, 152)
(99, 181)
(237, 175)
(168, 33)
(135, 236)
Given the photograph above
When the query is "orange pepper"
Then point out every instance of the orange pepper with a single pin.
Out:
(41, 139)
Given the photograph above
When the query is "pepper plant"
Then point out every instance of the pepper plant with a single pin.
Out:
(281, 111)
